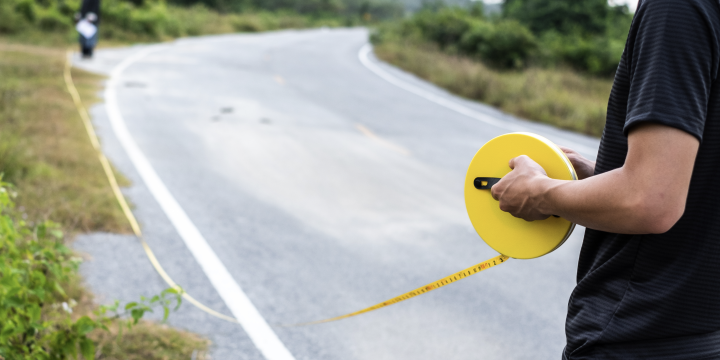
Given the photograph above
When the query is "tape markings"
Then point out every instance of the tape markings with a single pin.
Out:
(246, 314)
(121, 198)
(240, 305)
(363, 55)
(419, 291)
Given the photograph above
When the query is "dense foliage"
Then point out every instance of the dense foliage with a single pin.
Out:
(586, 35)
(158, 19)
(36, 314)
(376, 9)
(586, 16)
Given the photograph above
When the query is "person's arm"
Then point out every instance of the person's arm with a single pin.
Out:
(584, 168)
(646, 195)
(668, 70)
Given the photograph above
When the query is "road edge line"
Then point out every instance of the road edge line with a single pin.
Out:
(366, 49)
(255, 326)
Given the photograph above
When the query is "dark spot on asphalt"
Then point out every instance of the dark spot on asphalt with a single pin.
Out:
(265, 120)
(226, 110)
(215, 118)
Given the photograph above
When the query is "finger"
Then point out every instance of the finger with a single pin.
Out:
(494, 192)
(567, 150)
(517, 161)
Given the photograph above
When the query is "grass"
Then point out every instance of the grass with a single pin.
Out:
(149, 341)
(559, 97)
(44, 149)
(45, 152)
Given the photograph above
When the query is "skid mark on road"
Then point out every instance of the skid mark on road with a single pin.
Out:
(382, 141)
(229, 290)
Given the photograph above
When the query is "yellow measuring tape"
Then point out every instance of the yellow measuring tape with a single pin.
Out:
(421, 290)
(121, 199)
(490, 160)
(508, 235)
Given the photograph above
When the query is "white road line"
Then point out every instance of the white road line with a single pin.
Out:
(242, 308)
(365, 60)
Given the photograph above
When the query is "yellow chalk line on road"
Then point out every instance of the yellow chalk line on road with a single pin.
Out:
(121, 198)
(388, 144)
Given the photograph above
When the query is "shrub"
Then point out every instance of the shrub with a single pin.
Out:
(566, 16)
(26, 8)
(509, 45)
(446, 27)
(149, 21)
(506, 44)
(52, 20)
(562, 97)
(248, 24)
(36, 320)
(291, 21)
(10, 20)
(596, 55)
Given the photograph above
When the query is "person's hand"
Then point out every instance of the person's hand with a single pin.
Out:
(583, 167)
(520, 191)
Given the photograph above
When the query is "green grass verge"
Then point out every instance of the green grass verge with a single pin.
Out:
(44, 149)
(45, 152)
(560, 97)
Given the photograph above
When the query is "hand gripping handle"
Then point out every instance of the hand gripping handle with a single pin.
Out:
(486, 183)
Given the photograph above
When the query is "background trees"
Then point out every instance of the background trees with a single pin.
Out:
(587, 16)
(587, 35)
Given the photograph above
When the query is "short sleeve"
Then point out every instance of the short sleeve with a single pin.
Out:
(672, 51)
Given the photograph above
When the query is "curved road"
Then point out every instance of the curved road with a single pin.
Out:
(322, 187)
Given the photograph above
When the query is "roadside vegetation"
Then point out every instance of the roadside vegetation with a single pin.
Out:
(566, 99)
(51, 21)
(545, 60)
(44, 149)
(45, 311)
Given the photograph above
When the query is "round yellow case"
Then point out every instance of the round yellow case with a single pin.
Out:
(503, 232)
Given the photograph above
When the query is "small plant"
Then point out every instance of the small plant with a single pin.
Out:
(36, 317)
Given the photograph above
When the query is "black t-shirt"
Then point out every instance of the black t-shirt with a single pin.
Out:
(658, 296)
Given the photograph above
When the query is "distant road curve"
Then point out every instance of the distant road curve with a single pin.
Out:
(363, 55)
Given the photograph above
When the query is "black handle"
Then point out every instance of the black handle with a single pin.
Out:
(485, 183)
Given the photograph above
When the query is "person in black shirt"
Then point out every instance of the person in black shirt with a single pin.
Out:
(648, 283)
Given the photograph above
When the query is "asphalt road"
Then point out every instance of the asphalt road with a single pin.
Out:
(322, 188)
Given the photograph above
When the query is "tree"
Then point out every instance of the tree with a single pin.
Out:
(564, 16)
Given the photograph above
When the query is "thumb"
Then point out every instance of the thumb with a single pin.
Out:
(494, 192)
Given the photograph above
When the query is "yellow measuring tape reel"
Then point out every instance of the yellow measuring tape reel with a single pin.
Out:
(508, 235)
(505, 233)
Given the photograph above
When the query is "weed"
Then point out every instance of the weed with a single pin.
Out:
(44, 150)
(559, 97)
